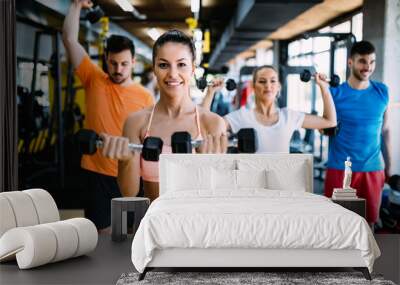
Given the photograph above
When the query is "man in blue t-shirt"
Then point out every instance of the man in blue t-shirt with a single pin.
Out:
(361, 107)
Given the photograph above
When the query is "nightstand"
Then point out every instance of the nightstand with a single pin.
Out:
(357, 205)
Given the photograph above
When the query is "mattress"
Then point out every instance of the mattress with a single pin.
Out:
(251, 218)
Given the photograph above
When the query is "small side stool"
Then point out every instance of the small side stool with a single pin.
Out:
(119, 209)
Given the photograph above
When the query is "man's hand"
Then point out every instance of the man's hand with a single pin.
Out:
(85, 4)
(388, 173)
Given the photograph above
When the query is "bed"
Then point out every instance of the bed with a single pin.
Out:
(247, 211)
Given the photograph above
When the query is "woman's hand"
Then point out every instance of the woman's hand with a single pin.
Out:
(214, 143)
(321, 80)
(116, 147)
(216, 85)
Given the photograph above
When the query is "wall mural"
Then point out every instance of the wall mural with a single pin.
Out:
(398, 16)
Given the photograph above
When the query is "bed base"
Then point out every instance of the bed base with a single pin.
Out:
(243, 260)
(363, 270)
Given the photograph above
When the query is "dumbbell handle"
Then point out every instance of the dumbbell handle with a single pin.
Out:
(226, 82)
(312, 76)
(131, 146)
(233, 142)
(202, 83)
(327, 79)
(306, 75)
(210, 83)
(139, 147)
(196, 143)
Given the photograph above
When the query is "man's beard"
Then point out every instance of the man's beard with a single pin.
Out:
(118, 81)
(358, 76)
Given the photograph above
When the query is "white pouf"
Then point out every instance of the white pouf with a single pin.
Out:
(31, 232)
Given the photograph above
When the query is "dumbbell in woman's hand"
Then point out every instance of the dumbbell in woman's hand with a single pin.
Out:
(245, 141)
(202, 83)
(89, 142)
(306, 76)
(181, 142)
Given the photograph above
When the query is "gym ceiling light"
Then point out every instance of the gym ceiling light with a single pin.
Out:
(125, 5)
(153, 33)
(195, 6)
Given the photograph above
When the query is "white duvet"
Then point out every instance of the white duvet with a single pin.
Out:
(253, 218)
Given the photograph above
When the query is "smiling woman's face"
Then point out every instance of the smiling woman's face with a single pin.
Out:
(173, 67)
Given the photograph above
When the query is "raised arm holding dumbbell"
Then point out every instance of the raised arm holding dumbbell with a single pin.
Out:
(215, 85)
(328, 119)
(75, 50)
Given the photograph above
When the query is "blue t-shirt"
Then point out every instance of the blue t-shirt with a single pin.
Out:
(360, 115)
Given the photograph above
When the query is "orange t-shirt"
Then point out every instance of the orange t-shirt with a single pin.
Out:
(107, 107)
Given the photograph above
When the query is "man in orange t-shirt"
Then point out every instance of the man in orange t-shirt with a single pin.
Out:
(110, 98)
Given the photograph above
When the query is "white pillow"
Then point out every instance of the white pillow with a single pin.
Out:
(251, 178)
(253, 163)
(293, 178)
(182, 177)
(223, 179)
(281, 174)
